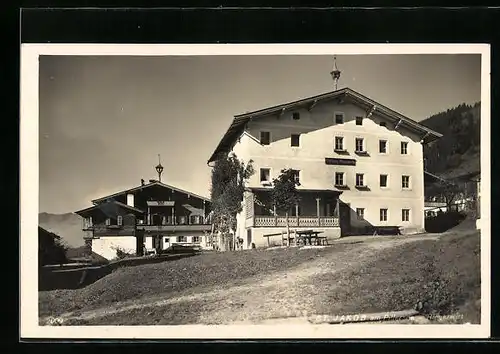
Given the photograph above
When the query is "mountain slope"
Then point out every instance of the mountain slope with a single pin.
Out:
(68, 226)
(458, 151)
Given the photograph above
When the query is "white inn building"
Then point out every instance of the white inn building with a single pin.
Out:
(359, 163)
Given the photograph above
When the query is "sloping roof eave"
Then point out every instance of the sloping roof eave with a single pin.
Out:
(241, 120)
(147, 186)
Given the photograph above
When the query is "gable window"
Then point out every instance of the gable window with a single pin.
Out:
(295, 140)
(359, 120)
(339, 143)
(265, 138)
(265, 175)
(108, 221)
(296, 176)
(359, 180)
(404, 148)
(339, 178)
(383, 180)
(360, 213)
(405, 182)
(383, 124)
(383, 214)
(295, 115)
(382, 146)
(405, 215)
(339, 118)
(119, 220)
(359, 145)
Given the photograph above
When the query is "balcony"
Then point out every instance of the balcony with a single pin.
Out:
(173, 228)
(293, 221)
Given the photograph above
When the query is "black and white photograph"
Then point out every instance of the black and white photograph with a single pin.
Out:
(255, 191)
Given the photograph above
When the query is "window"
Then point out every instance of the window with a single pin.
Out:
(296, 175)
(359, 120)
(295, 140)
(405, 214)
(383, 124)
(360, 212)
(359, 145)
(404, 148)
(383, 214)
(339, 178)
(265, 138)
(119, 220)
(196, 239)
(339, 143)
(339, 118)
(405, 181)
(295, 115)
(181, 239)
(382, 146)
(265, 175)
(359, 180)
(383, 180)
(166, 240)
(108, 221)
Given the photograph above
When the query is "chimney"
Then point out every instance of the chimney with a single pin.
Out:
(130, 199)
(142, 181)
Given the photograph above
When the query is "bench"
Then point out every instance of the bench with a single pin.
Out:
(386, 230)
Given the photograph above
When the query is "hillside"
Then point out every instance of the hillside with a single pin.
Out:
(458, 151)
(68, 226)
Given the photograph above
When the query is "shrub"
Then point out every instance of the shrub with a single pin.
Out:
(436, 297)
(121, 253)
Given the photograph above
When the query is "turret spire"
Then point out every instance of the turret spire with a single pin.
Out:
(335, 73)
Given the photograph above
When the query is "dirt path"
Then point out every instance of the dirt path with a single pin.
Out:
(287, 294)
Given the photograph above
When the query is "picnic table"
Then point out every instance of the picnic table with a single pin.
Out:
(283, 237)
(307, 236)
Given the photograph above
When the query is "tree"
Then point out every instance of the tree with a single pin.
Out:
(446, 191)
(229, 176)
(51, 249)
(284, 194)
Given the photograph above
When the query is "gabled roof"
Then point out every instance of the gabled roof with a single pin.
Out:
(46, 233)
(107, 206)
(240, 121)
(156, 183)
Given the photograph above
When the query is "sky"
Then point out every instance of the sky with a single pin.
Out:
(103, 120)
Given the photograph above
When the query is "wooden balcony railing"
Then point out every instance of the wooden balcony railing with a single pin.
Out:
(293, 221)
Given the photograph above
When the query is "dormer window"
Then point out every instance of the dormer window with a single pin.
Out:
(265, 138)
(295, 115)
(383, 124)
(119, 220)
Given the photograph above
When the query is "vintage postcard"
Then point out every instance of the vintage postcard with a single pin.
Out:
(255, 191)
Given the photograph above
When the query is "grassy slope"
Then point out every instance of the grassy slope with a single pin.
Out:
(393, 281)
(169, 278)
(396, 280)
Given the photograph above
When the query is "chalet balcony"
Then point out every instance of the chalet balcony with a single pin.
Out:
(176, 227)
(294, 221)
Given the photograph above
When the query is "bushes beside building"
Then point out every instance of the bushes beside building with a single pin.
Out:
(51, 249)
